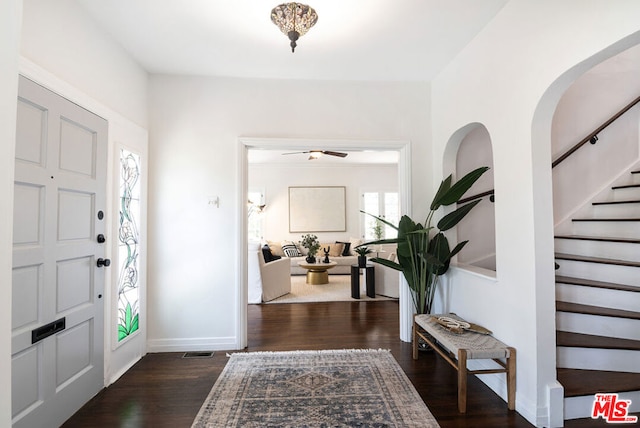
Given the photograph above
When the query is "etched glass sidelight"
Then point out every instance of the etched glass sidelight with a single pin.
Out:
(129, 245)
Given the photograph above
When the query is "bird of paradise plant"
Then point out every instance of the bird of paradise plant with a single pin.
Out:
(423, 253)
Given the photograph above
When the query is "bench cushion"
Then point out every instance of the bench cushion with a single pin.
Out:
(478, 345)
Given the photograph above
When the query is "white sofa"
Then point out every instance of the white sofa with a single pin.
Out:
(387, 279)
(344, 262)
(267, 281)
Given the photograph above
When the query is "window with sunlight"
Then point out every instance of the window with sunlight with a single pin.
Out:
(382, 204)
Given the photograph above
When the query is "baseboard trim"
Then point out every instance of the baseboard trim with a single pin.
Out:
(194, 344)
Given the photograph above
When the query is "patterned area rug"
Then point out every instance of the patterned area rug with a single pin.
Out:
(342, 388)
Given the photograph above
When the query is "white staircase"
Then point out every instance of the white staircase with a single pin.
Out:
(598, 299)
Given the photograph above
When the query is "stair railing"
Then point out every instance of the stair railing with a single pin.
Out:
(591, 138)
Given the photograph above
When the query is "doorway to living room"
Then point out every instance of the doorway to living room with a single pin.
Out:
(310, 173)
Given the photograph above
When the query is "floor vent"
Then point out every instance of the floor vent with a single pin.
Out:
(201, 354)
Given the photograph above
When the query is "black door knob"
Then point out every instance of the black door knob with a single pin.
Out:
(103, 262)
(101, 238)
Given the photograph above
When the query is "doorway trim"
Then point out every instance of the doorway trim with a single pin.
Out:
(403, 147)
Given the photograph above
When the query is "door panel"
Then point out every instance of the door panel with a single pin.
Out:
(77, 148)
(73, 352)
(29, 202)
(73, 277)
(60, 186)
(24, 304)
(24, 384)
(75, 220)
(30, 143)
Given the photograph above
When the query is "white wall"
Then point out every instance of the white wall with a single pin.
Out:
(195, 126)
(276, 179)
(509, 78)
(591, 100)
(10, 19)
(61, 37)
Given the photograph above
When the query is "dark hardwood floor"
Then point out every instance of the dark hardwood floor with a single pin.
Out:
(166, 390)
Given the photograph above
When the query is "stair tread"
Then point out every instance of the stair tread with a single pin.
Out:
(578, 382)
(601, 260)
(599, 238)
(579, 340)
(606, 219)
(595, 310)
(598, 284)
(632, 201)
(626, 186)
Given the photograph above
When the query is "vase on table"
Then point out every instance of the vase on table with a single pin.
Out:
(362, 261)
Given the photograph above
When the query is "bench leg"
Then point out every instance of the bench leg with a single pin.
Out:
(511, 379)
(462, 380)
(414, 341)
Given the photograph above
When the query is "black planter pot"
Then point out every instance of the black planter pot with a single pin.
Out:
(310, 259)
(362, 261)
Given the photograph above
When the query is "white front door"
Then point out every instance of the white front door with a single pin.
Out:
(57, 286)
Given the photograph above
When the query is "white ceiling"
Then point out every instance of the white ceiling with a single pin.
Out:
(372, 40)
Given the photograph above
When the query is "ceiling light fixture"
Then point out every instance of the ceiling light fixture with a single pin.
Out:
(294, 20)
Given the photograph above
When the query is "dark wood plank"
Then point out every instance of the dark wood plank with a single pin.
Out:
(600, 238)
(626, 186)
(597, 284)
(600, 260)
(164, 390)
(595, 310)
(578, 340)
(636, 201)
(606, 219)
(577, 382)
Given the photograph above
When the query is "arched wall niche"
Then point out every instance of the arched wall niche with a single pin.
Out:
(470, 148)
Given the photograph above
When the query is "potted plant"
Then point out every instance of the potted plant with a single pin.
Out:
(310, 242)
(378, 231)
(362, 251)
(423, 253)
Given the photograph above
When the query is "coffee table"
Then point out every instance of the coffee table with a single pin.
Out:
(317, 272)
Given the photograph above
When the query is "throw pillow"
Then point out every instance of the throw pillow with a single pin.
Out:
(276, 248)
(267, 254)
(323, 246)
(346, 248)
(290, 250)
(336, 250)
(354, 243)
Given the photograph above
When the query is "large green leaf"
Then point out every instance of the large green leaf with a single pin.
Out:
(445, 185)
(457, 248)
(451, 219)
(380, 219)
(456, 191)
(387, 262)
(379, 242)
(439, 249)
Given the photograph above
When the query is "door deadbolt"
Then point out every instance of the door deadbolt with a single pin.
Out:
(101, 239)
(103, 262)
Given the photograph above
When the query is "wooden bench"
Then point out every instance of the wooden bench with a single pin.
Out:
(466, 346)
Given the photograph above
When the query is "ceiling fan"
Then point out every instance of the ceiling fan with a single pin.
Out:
(315, 154)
